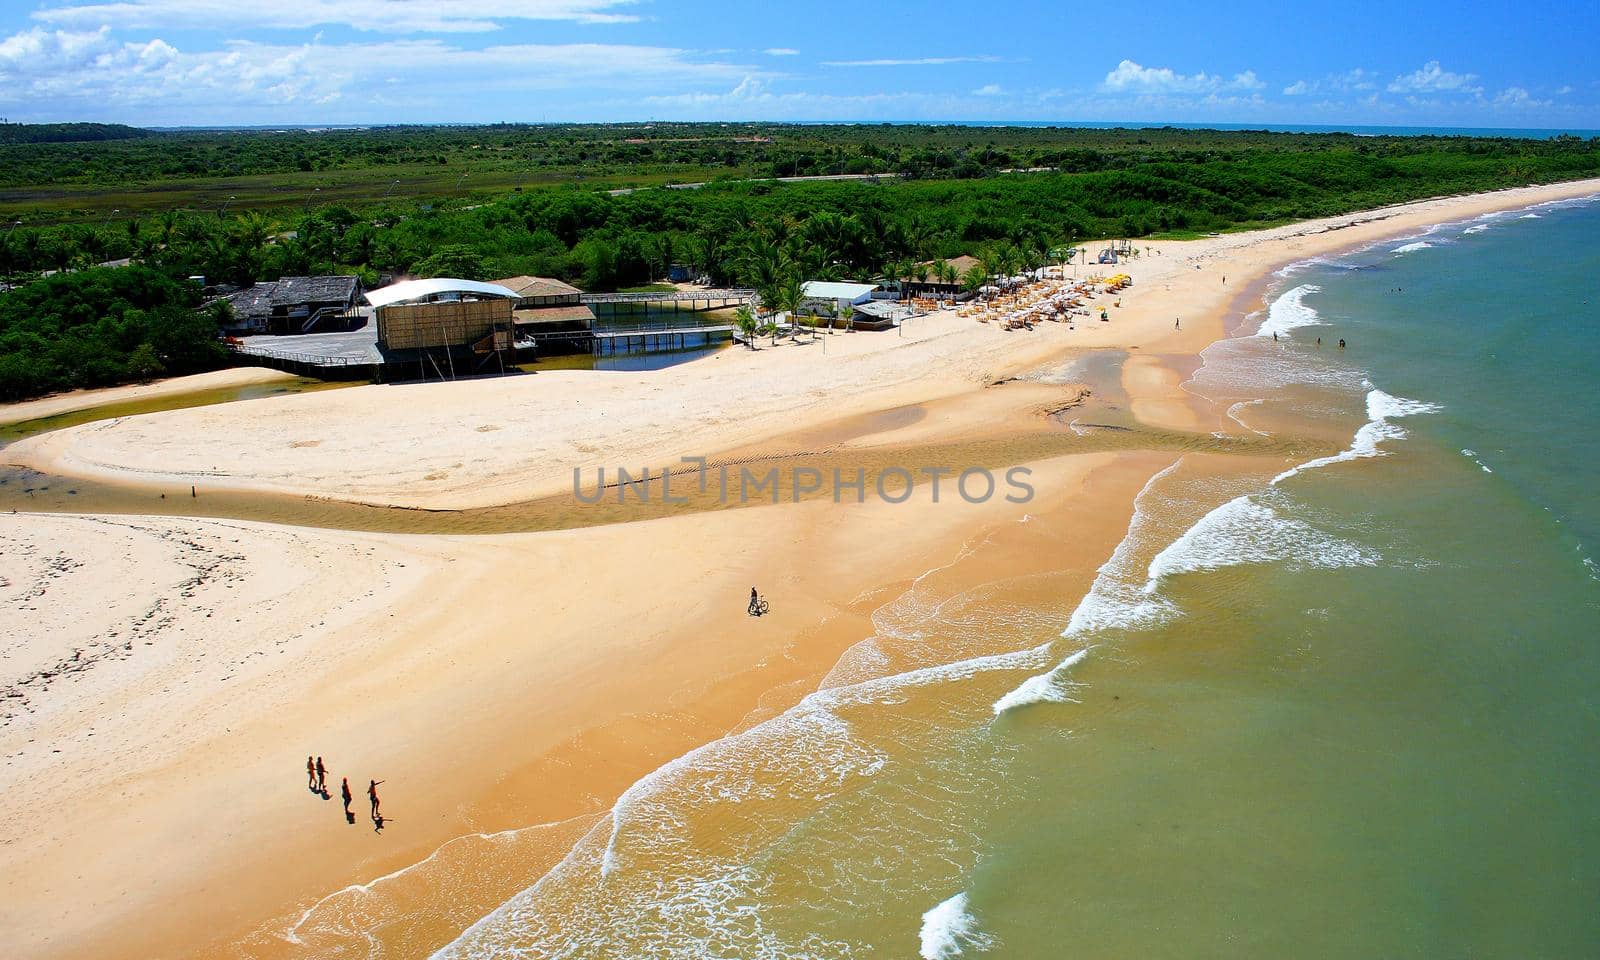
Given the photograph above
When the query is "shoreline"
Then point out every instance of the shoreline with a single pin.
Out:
(74, 401)
(513, 440)
(386, 685)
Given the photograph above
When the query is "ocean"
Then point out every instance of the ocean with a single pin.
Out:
(1339, 706)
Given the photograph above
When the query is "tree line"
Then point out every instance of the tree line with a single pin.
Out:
(764, 234)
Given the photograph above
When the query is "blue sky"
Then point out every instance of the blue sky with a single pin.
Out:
(180, 62)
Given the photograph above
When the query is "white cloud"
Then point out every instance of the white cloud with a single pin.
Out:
(1131, 77)
(82, 73)
(917, 62)
(1433, 79)
(1351, 81)
(781, 52)
(1563, 90)
(988, 90)
(1519, 98)
(1247, 81)
(381, 16)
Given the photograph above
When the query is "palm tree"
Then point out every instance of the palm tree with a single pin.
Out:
(847, 313)
(765, 263)
(992, 261)
(745, 319)
(896, 272)
(791, 296)
(975, 279)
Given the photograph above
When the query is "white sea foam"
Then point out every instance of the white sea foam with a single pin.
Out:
(1381, 408)
(1290, 312)
(1244, 530)
(1529, 216)
(1412, 247)
(1473, 456)
(1114, 601)
(1234, 411)
(1480, 228)
(817, 753)
(1041, 688)
(949, 930)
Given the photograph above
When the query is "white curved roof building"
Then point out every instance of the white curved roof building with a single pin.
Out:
(439, 288)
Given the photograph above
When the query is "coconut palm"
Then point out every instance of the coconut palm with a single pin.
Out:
(791, 297)
(745, 319)
(847, 313)
(896, 271)
(993, 262)
(975, 279)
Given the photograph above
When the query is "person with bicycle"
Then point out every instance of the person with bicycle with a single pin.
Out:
(757, 606)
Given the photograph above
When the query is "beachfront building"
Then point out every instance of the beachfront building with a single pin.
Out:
(935, 288)
(880, 315)
(293, 304)
(837, 294)
(448, 327)
(548, 307)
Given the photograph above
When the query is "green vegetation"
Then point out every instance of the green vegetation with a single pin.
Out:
(68, 132)
(102, 327)
(497, 201)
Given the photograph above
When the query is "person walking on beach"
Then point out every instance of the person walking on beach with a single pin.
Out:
(344, 791)
(755, 602)
(372, 794)
(322, 777)
(1177, 323)
(311, 775)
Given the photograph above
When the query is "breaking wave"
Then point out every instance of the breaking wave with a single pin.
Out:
(1041, 688)
(1244, 530)
(1382, 408)
(1412, 247)
(948, 930)
(1290, 312)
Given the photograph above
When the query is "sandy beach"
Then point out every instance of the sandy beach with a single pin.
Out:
(76, 400)
(162, 680)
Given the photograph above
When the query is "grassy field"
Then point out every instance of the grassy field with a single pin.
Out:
(298, 191)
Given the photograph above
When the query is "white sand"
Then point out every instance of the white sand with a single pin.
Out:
(83, 399)
(506, 439)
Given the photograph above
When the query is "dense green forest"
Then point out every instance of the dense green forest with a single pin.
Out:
(1008, 195)
(68, 132)
(100, 327)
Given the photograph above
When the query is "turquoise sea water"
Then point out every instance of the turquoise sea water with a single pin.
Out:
(1345, 707)
(1366, 722)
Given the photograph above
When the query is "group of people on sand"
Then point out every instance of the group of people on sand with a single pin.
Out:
(317, 783)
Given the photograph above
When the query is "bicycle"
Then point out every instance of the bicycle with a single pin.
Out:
(758, 606)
